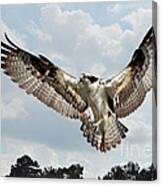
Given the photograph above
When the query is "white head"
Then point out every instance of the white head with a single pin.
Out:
(88, 80)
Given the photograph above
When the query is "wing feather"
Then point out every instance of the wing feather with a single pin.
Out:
(44, 80)
(129, 88)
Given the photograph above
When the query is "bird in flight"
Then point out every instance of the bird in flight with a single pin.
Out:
(96, 102)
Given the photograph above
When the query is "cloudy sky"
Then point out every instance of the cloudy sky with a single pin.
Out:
(97, 38)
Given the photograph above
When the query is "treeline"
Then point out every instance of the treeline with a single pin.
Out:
(26, 167)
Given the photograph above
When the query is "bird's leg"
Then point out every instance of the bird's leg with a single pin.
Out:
(96, 123)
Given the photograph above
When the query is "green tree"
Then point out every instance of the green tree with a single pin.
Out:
(25, 167)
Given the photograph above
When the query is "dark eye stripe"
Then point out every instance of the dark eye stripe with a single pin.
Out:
(92, 79)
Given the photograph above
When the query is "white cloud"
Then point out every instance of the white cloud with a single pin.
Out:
(64, 27)
(139, 19)
(13, 35)
(98, 70)
(13, 108)
(77, 42)
(115, 9)
(75, 37)
(104, 40)
(39, 33)
(14, 148)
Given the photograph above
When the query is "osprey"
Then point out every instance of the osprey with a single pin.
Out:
(96, 102)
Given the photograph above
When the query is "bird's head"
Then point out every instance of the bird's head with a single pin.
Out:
(87, 79)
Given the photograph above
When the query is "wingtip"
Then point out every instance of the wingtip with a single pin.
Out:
(9, 40)
(5, 34)
(6, 37)
(151, 29)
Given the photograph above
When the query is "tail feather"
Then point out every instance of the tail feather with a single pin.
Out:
(123, 129)
(104, 136)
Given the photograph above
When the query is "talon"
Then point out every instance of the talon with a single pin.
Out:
(85, 118)
(82, 116)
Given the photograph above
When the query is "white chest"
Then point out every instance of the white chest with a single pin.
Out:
(97, 100)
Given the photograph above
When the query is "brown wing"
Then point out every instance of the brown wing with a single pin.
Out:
(129, 88)
(41, 78)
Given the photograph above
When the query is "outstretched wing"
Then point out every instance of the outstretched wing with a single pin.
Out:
(128, 89)
(41, 78)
